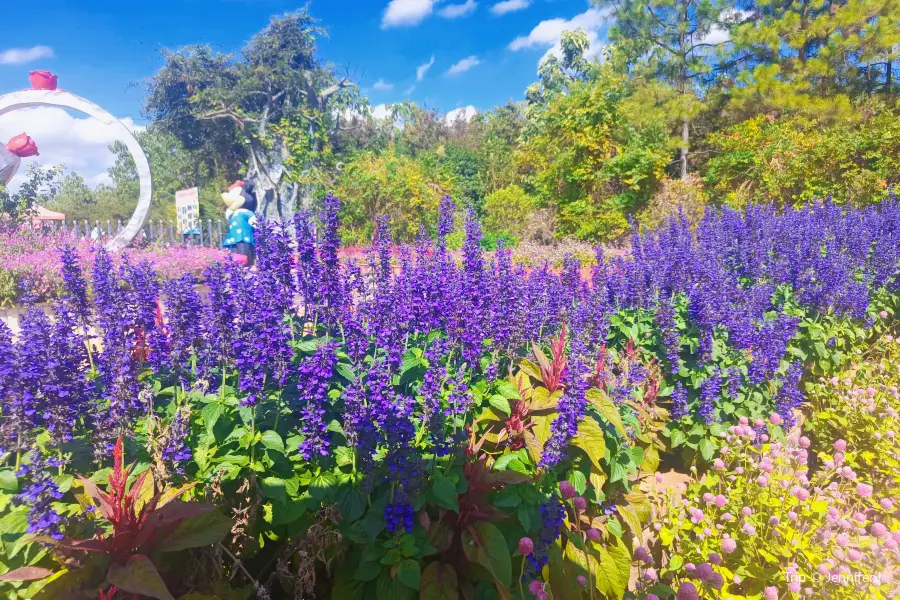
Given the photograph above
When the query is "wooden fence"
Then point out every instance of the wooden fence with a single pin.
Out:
(207, 233)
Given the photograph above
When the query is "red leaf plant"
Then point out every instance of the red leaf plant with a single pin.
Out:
(142, 520)
(554, 369)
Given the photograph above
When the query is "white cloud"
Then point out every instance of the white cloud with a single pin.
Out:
(719, 34)
(508, 6)
(454, 11)
(404, 13)
(381, 111)
(547, 33)
(21, 56)
(383, 85)
(409, 90)
(422, 69)
(465, 113)
(79, 144)
(464, 65)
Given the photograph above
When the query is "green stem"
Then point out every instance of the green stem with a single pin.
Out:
(252, 434)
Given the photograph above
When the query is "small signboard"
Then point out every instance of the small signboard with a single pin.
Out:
(187, 208)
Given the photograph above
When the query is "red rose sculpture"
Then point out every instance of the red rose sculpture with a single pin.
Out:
(22, 146)
(42, 80)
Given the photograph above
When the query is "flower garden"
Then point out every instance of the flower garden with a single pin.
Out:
(711, 415)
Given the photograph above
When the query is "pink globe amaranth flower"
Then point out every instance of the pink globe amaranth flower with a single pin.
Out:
(708, 498)
(737, 579)
(714, 558)
(729, 545)
(536, 586)
(657, 526)
(739, 470)
(704, 572)
(804, 442)
(823, 569)
(762, 481)
(794, 587)
(843, 540)
(792, 515)
(659, 478)
(886, 504)
(854, 555)
(650, 574)
(759, 423)
(749, 529)
(726, 516)
(690, 567)
(567, 490)
(593, 534)
(743, 420)
(707, 531)
(839, 457)
(773, 520)
(883, 314)
(840, 445)
(801, 494)
(582, 580)
(687, 591)
(543, 596)
(718, 464)
(580, 503)
(764, 437)
(526, 546)
(771, 593)
(641, 554)
(775, 419)
(746, 511)
(721, 500)
(864, 490)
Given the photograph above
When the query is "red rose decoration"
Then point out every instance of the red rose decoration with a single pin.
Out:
(22, 146)
(42, 80)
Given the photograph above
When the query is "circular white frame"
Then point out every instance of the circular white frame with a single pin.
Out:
(28, 98)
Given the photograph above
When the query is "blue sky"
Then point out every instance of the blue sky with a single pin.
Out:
(485, 51)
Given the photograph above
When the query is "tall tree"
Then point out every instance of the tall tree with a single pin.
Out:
(813, 55)
(257, 108)
(672, 41)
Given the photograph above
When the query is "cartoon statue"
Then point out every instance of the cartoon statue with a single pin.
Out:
(11, 156)
(241, 217)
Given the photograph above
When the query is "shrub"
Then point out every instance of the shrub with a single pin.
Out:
(763, 523)
(791, 160)
(507, 211)
(675, 197)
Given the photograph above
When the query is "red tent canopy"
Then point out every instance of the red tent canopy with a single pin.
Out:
(43, 214)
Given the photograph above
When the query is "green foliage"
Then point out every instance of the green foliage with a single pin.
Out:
(591, 164)
(507, 211)
(793, 159)
(19, 207)
(393, 184)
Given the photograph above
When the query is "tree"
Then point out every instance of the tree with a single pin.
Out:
(40, 187)
(586, 160)
(174, 168)
(814, 56)
(244, 108)
(669, 40)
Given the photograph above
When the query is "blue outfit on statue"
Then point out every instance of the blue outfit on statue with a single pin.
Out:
(240, 228)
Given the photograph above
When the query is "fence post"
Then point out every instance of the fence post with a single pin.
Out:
(171, 233)
(218, 232)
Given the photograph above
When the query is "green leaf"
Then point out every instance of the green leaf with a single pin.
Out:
(197, 531)
(445, 493)
(501, 463)
(488, 548)
(367, 571)
(614, 527)
(508, 390)
(439, 582)
(274, 488)
(387, 588)
(8, 481)
(707, 449)
(678, 438)
(139, 576)
(607, 409)
(590, 438)
(409, 573)
(524, 514)
(500, 403)
(211, 414)
(271, 440)
(615, 566)
(578, 481)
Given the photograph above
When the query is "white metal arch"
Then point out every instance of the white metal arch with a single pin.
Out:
(28, 98)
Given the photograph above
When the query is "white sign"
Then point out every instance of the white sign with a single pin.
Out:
(187, 209)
